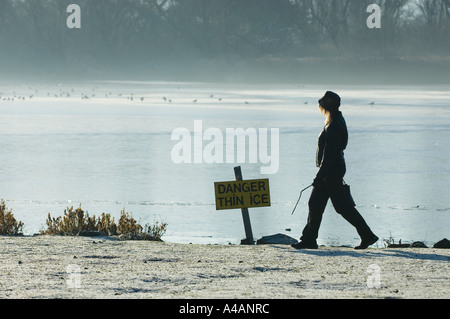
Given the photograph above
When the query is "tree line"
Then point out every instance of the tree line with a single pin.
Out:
(147, 32)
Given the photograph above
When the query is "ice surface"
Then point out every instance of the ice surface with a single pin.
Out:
(107, 146)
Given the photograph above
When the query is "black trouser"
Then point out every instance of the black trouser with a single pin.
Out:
(335, 189)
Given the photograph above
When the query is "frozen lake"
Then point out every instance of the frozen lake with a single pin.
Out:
(107, 146)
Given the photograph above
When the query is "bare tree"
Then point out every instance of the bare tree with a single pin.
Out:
(143, 32)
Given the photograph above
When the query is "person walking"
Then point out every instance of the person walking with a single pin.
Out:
(329, 182)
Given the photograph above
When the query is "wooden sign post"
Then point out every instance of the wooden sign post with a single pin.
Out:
(242, 194)
(245, 214)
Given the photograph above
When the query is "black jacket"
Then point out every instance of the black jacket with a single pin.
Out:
(330, 151)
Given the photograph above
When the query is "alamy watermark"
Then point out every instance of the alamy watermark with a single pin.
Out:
(235, 145)
(73, 280)
(374, 20)
(74, 19)
(374, 278)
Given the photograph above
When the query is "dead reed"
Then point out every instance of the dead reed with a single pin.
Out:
(75, 222)
(9, 226)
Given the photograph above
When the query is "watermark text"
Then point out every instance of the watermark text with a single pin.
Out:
(235, 145)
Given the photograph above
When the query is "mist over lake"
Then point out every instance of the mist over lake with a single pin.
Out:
(117, 105)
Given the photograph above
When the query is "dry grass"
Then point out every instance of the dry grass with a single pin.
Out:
(76, 221)
(9, 226)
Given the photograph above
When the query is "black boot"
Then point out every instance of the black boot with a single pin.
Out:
(365, 243)
(305, 245)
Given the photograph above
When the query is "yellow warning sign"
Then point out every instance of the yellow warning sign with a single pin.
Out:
(242, 194)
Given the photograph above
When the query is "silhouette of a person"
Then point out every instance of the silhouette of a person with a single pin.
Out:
(329, 182)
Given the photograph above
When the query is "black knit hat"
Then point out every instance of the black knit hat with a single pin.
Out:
(330, 101)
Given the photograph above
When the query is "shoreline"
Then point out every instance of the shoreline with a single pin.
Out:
(48, 267)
